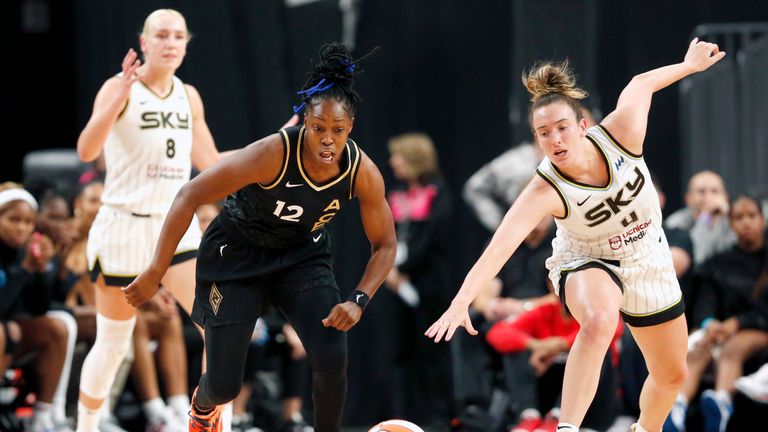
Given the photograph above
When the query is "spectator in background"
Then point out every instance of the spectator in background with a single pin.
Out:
(25, 259)
(522, 282)
(159, 321)
(731, 321)
(520, 286)
(532, 343)
(705, 216)
(494, 187)
(422, 276)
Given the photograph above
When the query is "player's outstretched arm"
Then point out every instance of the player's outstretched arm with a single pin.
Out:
(110, 102)
(260, 162)
(628, 122)
(537, 200)
(380, 229)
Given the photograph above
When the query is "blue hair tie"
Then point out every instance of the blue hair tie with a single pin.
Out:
(308, 93)
(351, 68)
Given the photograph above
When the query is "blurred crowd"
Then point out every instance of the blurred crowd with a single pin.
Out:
(506, 379)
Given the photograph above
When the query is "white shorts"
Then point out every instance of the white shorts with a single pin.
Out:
(651, 292)
(121, 244)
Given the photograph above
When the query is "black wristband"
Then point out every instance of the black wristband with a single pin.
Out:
(359, 298)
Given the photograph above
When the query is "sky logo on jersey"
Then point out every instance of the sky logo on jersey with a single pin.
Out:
(165, 120)
(614, 205)
(619, 163)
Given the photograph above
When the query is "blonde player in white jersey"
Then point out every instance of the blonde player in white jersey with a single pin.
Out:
(610, 254)
(152, 129)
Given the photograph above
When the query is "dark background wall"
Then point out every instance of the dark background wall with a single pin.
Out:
(450, 68)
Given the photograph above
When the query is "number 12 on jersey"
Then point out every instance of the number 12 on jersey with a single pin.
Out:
(293, 211)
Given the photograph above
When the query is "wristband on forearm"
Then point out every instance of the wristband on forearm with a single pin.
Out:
(359, 298)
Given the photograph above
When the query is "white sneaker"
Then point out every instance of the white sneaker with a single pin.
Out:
(167, 423)
(109, 424)
(755, 386)
(41, 424)
(622, 424)
(65, 425)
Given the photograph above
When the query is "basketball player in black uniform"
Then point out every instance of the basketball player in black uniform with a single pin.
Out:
(270, 245)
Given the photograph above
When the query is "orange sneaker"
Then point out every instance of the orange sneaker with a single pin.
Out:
(209, 422)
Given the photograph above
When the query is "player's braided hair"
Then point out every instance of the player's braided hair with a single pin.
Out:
(549, 83)
(332, 77)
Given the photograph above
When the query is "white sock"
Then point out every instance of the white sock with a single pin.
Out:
(179, 404)
(637, 428)
(682, 400)
(725, 397)
(226, 418)
(154, 409)
(567, 427)
(43, 413)
(87, 418)
(60, 396)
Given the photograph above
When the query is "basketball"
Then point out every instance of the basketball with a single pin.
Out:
(396, 426)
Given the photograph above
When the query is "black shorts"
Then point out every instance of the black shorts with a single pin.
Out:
(237, 281)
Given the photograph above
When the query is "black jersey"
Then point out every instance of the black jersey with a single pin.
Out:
(292, 208)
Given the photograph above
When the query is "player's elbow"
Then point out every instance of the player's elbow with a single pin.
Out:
(85, 152)
(186, 198)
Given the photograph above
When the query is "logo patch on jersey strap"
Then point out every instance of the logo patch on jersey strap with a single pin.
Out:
(221, 249)
(288, 184)
(585, 200)
(215, 298)
(615, 242)
(619, 163)
(317, 239)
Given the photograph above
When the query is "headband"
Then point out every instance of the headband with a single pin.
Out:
(17, 194)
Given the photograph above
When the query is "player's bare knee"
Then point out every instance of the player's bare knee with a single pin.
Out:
(672, 375)
(56, 332)
(599, 326)
(733, 352)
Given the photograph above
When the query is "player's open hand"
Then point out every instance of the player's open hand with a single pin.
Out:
(131, 64)
(141, 289)
(701, 55)
(343, 316)
(452, 319)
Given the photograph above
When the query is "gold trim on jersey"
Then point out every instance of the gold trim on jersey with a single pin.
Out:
(191, 111)
(170, 92)
(581, 185)
(355, 166)
(287, 145)
(341, 176)
(559, 192)
(125, 108)
(654, 312)
(619, 146)
(97, 262)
